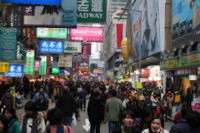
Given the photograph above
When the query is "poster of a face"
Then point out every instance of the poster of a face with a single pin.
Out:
(146, 28)
(185, 16)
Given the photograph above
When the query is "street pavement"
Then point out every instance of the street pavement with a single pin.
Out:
(81, 126)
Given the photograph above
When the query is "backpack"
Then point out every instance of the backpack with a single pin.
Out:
(67, 129)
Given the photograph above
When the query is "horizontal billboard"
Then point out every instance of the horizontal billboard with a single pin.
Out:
(147, 23)
(52, 16)
(89, 34)
(15, 71)
(40, 2)
(73, 47)
(185, 17)
(54, 47)
(56, 33)
(91, 11)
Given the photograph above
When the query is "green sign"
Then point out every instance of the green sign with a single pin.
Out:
(55, 70)
(92, 11)
(190, 60)
(57, 33)
(29, 67)
(43, 65)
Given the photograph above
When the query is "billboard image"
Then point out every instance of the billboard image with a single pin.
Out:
(146, 28)
(48, 16)
(55, 47)
(89, 34)
(73, 47)
(40, 2)
(185, 17)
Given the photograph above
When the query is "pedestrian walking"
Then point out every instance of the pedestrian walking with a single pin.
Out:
(95, 112)
(112, 109)
(13, 125)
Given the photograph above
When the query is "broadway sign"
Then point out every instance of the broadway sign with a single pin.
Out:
(91, 11)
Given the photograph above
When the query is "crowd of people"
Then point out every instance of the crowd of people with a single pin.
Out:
(124, 108)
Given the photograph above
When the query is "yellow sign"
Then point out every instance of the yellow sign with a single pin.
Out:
(4, 67)
(139, 85)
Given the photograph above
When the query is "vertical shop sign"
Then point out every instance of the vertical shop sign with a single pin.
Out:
(4, 66)
(8, 43)
(29, 67)
(43, 65)
(91, 11)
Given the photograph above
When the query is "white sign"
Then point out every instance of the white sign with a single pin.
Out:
(65, 61)
(73, 47)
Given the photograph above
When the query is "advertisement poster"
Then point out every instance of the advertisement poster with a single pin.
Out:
(91, 11)
(185, 17)
(86, 49)
(56, 33)
(40, 2)
(146, 25)
(65, 61)
(89, 34)
(56, 16)
(29, 67)
(43, 65)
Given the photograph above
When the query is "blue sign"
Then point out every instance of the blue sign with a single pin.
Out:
(40, 2)
(15, 71)
(55, 47)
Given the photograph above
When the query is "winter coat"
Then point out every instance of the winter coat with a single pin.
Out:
(95, 111)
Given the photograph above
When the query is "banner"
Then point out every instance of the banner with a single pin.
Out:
(43, 65)
(55, 47)
(65, 61)
(119, 29)
(185, 17)
(57, 33)
(146, 27)
(39, 2)
(55, 70)
(15, 71)
(29, 67)
(56, 16)
(8, 43)
(89, 34)
(92, 11)
(73, 47)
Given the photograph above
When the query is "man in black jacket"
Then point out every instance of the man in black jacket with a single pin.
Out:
(67, 106)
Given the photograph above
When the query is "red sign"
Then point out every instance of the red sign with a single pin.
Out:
(119, 34)
(89, 34)
(145, 73)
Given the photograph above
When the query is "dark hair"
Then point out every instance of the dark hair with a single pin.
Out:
(124, 113)
(153, 118)
(185, 110)
(12, 112)
(113, 93)
(31, 106)
(54, 116)
(41, 94)
(193, 119)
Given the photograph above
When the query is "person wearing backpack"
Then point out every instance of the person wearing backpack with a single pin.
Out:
(54, 117)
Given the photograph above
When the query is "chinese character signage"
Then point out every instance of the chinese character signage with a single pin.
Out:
(57, 33)
(55, 70)
(73, 47)
(56, 16)
(89, 34)
(55, 47)
(91, 11)
(15, 71)
(43, 65)
(8, 43)
(4, 66)
(29, 67)
(40, 2)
